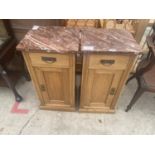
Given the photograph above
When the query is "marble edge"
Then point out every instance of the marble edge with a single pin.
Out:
(47, 51)
(79, 51)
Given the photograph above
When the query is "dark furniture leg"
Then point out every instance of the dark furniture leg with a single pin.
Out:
(24, 68)
(4, 75)
(129, 79)
(138, 93)
(26, 73)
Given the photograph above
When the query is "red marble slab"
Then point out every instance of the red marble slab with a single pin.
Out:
(70, 39)
(108, 40)
(51, 39)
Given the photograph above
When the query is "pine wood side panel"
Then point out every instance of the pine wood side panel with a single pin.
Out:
(83, 79)
(124, 79)
(72, 79)
(33, 76)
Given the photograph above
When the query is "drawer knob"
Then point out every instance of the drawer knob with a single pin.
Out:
(48, 59)
(107, 62)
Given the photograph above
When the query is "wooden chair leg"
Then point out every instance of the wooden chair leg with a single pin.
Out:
(4, 75)
(138, 93)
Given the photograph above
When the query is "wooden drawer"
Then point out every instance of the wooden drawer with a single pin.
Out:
(108, 61)
(49, 60)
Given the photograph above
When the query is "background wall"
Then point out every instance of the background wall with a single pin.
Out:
(21, 26)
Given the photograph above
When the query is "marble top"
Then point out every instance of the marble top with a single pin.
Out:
(51, 39)
(71, 39)
(112, 40)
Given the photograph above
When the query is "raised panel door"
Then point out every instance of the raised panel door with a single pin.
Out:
(100, 87)
(56, 86)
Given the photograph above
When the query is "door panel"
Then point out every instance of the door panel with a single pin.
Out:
(56, 85)
(100, 87)
(99, 93)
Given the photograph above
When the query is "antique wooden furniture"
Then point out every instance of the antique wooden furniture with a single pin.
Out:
(107, 61)
(8, 43)
(108, 56)
(49, 53)
(145, 74)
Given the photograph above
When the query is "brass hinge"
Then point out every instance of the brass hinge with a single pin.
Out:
(112, 91)
(42, 87)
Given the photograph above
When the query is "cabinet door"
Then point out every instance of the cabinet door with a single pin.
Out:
(56, 86)
(99, 88)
